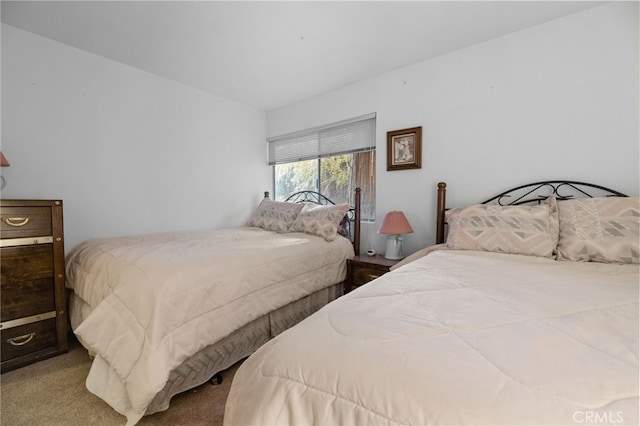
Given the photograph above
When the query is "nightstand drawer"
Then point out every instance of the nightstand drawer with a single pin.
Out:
(362, 275)
(362, 269)
(27, 339)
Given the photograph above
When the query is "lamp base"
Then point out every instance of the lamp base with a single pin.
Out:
(393, 249)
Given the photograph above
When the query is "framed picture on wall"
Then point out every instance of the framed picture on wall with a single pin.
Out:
(404, 149)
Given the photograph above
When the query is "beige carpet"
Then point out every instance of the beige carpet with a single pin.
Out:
(52, 393)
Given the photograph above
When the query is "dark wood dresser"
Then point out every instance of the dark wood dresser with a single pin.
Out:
(33, 309)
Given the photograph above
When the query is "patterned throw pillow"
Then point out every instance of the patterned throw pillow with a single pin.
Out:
(604, 229)
(528, 230)
(275, 215)
(322, 221)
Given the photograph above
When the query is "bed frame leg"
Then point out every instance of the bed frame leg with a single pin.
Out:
(216, 379)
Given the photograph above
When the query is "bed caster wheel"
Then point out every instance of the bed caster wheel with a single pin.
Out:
(216, 379)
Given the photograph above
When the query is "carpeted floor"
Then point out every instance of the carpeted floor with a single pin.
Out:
(52, 393)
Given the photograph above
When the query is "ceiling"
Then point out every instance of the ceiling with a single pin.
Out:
(268, 54)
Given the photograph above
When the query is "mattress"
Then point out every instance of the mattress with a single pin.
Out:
(151, 302)
(457, 337)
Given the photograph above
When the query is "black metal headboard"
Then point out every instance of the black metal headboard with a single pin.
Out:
(308, 197)
(317, 198)
(528, 194)
(305, 197)
(561, 189)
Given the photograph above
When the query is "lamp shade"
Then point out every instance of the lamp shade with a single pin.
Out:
(3, 160)
(395, 222)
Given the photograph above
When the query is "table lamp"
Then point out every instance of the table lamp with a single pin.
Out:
(3, 163)
(394, 224)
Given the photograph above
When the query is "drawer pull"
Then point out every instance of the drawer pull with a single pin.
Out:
(21, 340)
(16, 222)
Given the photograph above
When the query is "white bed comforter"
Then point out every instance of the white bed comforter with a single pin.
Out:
(457, 338)
(158, 299)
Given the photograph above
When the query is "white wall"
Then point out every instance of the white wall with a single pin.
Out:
(557, 101)
(128, 152)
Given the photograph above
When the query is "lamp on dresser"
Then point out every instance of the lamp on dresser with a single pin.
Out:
(3, 163)
(394, 224)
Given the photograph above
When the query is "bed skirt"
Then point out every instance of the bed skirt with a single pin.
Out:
(223, 354)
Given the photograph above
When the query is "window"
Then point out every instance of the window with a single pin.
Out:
(333, 160)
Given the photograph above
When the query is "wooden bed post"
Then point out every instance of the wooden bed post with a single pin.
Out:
(442, 195)
(356, 223)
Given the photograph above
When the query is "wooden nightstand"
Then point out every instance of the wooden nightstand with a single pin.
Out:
(362, 269)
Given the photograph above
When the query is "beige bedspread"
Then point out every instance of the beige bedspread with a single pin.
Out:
(157, 299)
(457, 337)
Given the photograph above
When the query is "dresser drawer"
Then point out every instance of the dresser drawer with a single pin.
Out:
(27, 298)
(28, 339)
(20, 222)
(26, 263)
(362, 275)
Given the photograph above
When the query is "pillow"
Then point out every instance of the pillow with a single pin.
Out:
(528, 230)
(319, 220)
(275, 215)
(604, 229)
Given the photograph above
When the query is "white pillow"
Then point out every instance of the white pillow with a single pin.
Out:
(602, 229)
(323, 221)
(529, 230)
(275, 215)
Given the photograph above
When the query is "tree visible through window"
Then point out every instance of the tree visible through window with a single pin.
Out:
(333, 160)
(336, 177)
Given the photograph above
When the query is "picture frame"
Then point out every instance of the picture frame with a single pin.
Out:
(404, 149)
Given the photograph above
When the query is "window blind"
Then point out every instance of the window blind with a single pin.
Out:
(353, 135)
